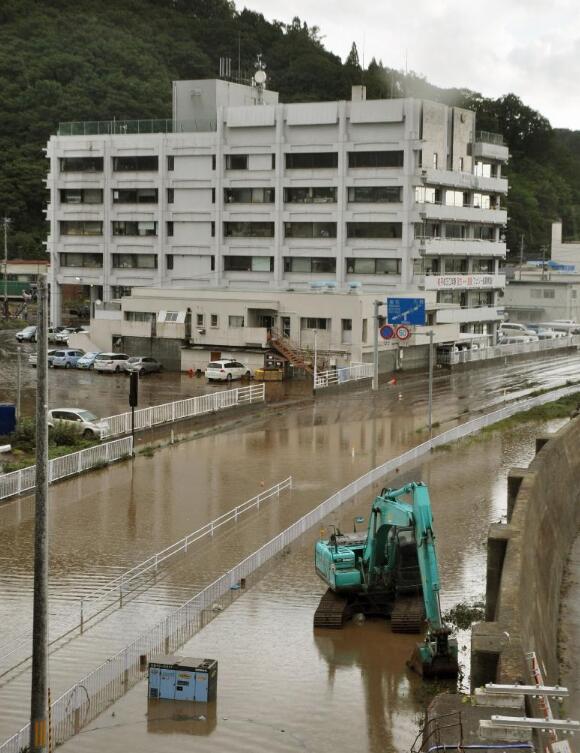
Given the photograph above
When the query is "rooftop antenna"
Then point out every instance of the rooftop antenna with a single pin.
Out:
(260, 78)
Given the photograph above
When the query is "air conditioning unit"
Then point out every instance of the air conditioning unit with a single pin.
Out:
(201, 331)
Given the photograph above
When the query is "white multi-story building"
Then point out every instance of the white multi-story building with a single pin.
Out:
(238, 191)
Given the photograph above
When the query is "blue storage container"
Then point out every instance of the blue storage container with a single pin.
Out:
(7, 418)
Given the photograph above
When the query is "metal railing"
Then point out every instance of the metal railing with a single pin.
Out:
(123, 127)
(99, 689)
(146, 418)
(116, 592)
(487, 137)
(343, 374)
(24, 480)
(503, 351)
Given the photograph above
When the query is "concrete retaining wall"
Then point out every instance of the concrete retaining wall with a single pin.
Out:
(526, 561)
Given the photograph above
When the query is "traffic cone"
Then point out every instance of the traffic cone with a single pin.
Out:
(393, 381)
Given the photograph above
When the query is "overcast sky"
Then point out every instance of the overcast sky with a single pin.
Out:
(528, 47)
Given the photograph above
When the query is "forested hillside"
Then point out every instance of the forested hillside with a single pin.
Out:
(74, 60)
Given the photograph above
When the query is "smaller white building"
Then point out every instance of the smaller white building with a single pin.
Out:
(185, 329)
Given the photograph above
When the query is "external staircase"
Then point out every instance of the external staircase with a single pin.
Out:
(300, 358)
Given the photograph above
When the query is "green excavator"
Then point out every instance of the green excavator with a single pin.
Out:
(390, 571)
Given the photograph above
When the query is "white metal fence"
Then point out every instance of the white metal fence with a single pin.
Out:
(100, 688)
(117, 591)
(145, 418)
(343, 374)
(504, 351)
(67, 465)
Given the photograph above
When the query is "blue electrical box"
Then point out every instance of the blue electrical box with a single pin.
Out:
(180, 678)
(7, 419)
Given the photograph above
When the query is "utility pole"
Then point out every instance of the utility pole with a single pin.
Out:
(544, 249)
(18, 381)
(315, 362)
(6, 221)
(39, 689)
(376, 345)
(521, 255)
(430, 408)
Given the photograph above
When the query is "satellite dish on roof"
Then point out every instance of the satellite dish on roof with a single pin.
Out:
(260, 77)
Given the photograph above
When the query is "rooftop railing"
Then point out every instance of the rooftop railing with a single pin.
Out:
(122, 127)
(486, 137)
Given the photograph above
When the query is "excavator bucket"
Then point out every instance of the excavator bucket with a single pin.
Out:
(436, 657)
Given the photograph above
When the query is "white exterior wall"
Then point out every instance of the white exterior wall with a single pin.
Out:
(418, 129)
(564, 253)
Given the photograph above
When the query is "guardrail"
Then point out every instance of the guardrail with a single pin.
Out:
(118, 589)
(343, 374)
(503, 351)
(24, 480)
(146, 418)
(99, 689)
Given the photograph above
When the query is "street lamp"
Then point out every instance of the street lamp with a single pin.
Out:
(6, 221)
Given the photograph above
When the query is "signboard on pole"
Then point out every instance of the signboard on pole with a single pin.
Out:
(406, 311)
(387, 332)
(402, 332)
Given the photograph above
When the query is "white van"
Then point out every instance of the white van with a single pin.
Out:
(507, 329)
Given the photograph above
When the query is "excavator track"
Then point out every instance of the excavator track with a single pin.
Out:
(332, 611)
(407, 615)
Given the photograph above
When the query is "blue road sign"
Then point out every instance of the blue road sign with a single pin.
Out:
(387, 332)
(406, 311)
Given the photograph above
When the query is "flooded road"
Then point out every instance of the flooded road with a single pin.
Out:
(283, 687)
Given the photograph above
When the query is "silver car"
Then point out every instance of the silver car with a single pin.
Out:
(87, 424)
(143, 365)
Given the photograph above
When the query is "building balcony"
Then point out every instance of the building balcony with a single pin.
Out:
(466, 315)
(463, 282)
(132, 127)
(462, 214)
(239, 337)
(490, 146)
(458, 247)
(463, 181)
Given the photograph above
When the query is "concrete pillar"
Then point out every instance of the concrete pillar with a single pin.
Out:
(487, 643)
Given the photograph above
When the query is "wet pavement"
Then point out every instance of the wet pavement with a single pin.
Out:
(105, 522)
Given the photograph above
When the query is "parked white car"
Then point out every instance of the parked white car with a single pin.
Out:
(115, 362)
(28, 334)
(87, 423)
(544, 333)
(226, 371)
(507, 329)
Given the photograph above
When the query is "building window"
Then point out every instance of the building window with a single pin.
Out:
(170, 195)
(249, 195)
(213, 162)
(273, 162)
(311, 160)
(120, 291)
(549, 293)
(248, 263)
(309, 264)
(213, 195)
(481, 201)
(373, 266)
(135, 196)
(454, 198)
(249, 229)
(169, 261)
(485, 169)
(212, 227)
(479, 298)
(347, 325)
(375, 159)
(455, 231)
(456, 265)
(81, 164)
(482, 266)
(213, 322)
(138, 316)
(170, 163)
(171, 316)
(458, 297)
(134, 261)
(199, 320)
(435, 160)
(134, 228)
(169, 228)
(461, 164)
(427, 230)
(314, 195)
(375, 194)
(136, 163)
(236, 161)
(484, 232)
(427, 195)
(235, 321)
(314, 323)
(310, 229)
(374, 230)
(81, 195)
(81, 260)
(81, 227)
